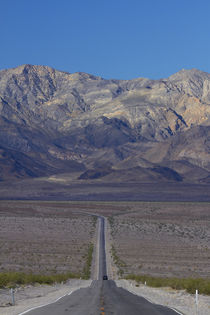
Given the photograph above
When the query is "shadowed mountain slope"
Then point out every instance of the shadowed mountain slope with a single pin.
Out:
(82, 127)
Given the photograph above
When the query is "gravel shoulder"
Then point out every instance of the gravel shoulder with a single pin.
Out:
(111, 267)
(34, 296)
(95, 259)
(178, 300)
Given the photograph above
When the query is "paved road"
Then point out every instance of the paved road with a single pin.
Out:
(102, 251)
(103, 297)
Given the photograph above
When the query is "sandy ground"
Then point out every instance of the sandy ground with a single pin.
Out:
(181, 301)
(135, 225)
(30, 297)
(95, 260)
(43, 238)
(163, 239)
(34, 296)
(111, 267)
(178, 300)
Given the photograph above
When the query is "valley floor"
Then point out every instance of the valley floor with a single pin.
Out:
(155, 238)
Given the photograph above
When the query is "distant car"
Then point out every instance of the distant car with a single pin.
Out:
(105, 277)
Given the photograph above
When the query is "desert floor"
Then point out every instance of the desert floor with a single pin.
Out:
(44, 237)
(155, 238)
(163, 239)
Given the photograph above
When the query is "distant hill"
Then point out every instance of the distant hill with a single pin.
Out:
(85, 128)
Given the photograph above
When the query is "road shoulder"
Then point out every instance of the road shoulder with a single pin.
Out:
(177, 300)
(35, 296)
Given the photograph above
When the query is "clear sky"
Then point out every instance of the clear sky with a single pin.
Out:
(120, 39)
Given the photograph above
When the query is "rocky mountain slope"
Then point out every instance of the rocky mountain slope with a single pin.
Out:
(88, 128)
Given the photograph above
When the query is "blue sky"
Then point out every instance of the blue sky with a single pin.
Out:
(120, 39)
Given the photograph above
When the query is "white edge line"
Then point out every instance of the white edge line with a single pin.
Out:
(156, 303)
(176, 311)
(33, 308)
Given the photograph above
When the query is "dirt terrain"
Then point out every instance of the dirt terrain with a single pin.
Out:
(155, 238)
(163, 239)
(43, 237)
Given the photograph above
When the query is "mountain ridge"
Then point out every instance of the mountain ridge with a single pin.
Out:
(141, 130)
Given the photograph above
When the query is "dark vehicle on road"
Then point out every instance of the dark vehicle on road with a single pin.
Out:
(105, 277)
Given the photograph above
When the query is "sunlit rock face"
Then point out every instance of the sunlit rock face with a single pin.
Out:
(54, 122)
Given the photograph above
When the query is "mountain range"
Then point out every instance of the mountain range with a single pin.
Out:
(80, 128)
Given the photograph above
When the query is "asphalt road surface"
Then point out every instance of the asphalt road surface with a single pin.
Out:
(103, 297)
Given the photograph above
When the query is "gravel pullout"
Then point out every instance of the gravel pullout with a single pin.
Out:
(178, 300)
(33, 296)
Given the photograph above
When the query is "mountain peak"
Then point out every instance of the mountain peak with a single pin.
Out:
(85, 76)
(53, 121)
(30, 69)
(186, 74)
